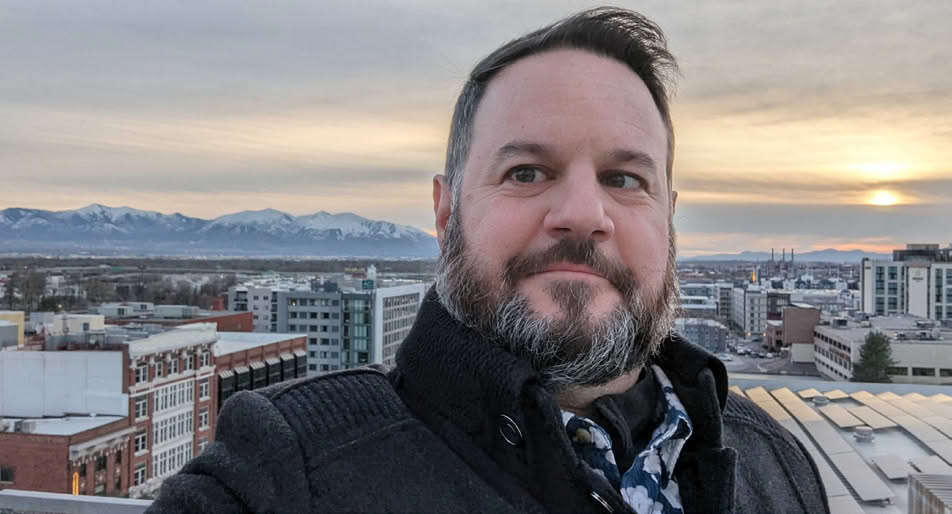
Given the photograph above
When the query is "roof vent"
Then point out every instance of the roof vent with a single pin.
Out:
(820, 400)
(864, 434)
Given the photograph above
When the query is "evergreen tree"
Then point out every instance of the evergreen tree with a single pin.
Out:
(875, 359)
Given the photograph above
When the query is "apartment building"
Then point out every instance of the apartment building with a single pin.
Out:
(917, 281)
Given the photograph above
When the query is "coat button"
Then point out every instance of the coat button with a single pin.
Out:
(601, 501)
(509, 430)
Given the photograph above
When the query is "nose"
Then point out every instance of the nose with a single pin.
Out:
(577, 209)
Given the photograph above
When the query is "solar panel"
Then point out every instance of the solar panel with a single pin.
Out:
(913, 408)
(845, 505)
(915, 397)
(893, 467)
(932, 464)
(757, 394)
(840, 416)
(875, 420)
(889, 395)
(919, 429)
(941, 398)
(831, 481)
(775, 410)
(861, 395)
(941, 448)
(940, 423)
(836, 394)
(737, 390)
(861, 478)
(806, 394)
(827, 438)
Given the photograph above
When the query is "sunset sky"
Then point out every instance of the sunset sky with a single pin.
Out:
(806, 124)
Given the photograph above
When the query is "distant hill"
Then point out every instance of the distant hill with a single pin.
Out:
(102, 230)
(828, 255)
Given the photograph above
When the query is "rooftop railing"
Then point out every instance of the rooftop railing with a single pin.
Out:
(16, 502)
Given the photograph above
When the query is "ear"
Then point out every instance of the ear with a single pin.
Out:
(674, 201)
(441, 205)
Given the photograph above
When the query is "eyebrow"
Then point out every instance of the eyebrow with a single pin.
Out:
(618, 155)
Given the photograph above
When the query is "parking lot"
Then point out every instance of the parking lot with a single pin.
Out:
(751, 364)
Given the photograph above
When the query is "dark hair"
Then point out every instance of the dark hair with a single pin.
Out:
(611, 32)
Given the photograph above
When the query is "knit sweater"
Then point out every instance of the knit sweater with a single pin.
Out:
(463, 426)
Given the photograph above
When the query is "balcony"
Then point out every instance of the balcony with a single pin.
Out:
(13, 501)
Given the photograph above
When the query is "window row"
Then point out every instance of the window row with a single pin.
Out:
(173, 395)
(171, 460)
(172, 427)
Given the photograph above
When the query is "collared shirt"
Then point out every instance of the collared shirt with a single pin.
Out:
(648, 486)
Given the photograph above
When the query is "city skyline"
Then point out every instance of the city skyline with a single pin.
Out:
(802, 125)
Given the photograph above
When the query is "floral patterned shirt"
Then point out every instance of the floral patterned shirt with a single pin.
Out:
(648, 487)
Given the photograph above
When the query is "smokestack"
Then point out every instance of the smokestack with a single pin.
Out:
(791, 256)
(771, 255)
(784, 255)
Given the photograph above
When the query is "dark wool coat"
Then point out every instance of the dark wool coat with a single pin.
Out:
(463, 426)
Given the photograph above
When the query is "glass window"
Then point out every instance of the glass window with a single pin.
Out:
(898, 371)
(923, 372)
(8, 474)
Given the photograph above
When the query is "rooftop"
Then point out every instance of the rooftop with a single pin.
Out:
(231, 342)
(905, 328)
(64, 426)
(179, 337)
(911, 425)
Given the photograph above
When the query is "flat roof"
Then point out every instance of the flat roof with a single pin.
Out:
(231, 342)
(65, 426)
(912, 429)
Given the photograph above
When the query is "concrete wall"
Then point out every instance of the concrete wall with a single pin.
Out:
(9, 334)
(802, 352)
(61, 383)
(917, 286)
(15, 317)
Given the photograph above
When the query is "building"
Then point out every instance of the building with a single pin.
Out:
(917, 281)
(16, 318)
(347, 324)
(70, 424)
(706, 333)
(125, 309)
(9, 334)
(773, 335)
(799, 320)
(698, 307)
(156, 399)
(224, 321)
(248, 361)
(725, 298)
(749, 311)
(53, 324)
(922, 349)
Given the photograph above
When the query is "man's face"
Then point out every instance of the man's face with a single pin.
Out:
(564, 211)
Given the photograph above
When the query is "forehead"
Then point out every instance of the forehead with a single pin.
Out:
(566, 98)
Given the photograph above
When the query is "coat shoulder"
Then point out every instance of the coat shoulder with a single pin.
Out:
(773, 466)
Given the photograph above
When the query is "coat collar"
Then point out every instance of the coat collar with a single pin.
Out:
(465, 388)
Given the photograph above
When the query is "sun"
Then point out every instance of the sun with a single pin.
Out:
(883, 198)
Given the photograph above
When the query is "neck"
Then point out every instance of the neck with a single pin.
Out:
(578, 399)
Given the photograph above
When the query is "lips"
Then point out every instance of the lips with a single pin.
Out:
(575, 268)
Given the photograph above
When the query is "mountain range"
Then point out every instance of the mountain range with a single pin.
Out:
(827, 255)
(101, 230)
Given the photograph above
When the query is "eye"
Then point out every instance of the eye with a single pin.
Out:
(527, 174)
(622, 181)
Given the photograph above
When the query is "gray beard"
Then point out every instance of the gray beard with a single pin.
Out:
(575, 349)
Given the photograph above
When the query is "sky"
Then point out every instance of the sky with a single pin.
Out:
(793, 119)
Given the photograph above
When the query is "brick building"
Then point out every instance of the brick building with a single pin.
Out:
(149, 405)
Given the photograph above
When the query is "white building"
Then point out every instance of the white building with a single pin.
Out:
(917, 281)
(749, 310)
(698, 307)
(922, 349)
(52, 324)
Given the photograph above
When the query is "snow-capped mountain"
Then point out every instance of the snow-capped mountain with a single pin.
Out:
(264, 232)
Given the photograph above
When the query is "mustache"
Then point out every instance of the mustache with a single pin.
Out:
(583, 252)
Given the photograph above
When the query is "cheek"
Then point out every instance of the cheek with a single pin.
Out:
(643, 246)
(500, 228)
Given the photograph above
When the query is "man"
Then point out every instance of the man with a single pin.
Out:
(541, 374)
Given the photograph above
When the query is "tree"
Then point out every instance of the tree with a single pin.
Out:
(875, 359)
